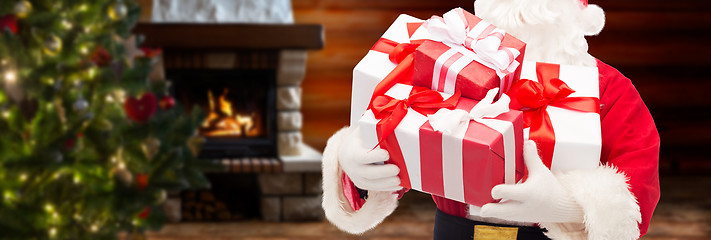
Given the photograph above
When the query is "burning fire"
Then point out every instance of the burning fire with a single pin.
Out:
(222, 121)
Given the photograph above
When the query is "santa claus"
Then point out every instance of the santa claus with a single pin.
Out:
(612, 201)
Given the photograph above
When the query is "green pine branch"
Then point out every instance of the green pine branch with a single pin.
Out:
(73, 164)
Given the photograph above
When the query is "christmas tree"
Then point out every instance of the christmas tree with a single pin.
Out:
(89, 145)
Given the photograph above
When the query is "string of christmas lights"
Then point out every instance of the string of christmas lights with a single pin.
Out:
(80, 156)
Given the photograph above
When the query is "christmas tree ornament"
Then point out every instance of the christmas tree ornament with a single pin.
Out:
(9, 22)
(140, 110)
(120, 95)
(125, 176)
(52, 45)
(132, 50)
(80, 105)
(161, 196)
(117, 11)
(167, 102)
(141, 181)
(69, 143)
(23, 8)
(61, 113)
(100, 56)
(150, 147)
(56, 156)
(144, 213)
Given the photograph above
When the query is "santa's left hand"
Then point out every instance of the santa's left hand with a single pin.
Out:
(541, 198)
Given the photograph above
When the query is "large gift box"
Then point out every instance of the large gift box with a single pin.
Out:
(376, 65)
(463, 163)
(466, 53)
(561, 113)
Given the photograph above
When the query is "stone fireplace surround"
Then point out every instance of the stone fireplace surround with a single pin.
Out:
(290, 184)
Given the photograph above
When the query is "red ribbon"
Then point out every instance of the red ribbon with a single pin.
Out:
(535, 97)
(391, 111)
(400, 54)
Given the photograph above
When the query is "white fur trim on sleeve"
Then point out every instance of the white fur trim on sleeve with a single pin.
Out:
(611, 210)
(377, 207)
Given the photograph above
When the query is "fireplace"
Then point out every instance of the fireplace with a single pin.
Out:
(240, 108)
(247, 78)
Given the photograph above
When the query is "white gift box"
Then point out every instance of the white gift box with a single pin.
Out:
(578, 139)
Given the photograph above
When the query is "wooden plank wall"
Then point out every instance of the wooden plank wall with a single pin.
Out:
(663, 46)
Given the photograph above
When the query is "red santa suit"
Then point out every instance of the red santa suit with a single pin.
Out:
(617, 198)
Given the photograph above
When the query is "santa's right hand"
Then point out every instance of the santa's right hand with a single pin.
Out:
(365, 166)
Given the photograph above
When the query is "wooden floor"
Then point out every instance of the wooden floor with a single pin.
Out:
(684, 212)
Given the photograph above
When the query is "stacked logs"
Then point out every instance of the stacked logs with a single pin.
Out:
(203, 206)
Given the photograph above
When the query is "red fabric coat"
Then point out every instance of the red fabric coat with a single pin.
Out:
(630, 142)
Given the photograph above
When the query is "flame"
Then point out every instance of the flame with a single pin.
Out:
(225, 105)
(222, 121)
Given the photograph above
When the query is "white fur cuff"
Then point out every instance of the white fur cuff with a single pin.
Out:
(611, 210)
(338, 211)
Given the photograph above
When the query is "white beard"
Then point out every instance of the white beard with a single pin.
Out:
(554, 30)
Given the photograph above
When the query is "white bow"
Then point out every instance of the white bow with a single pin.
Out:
(450, 121)
(451, 28)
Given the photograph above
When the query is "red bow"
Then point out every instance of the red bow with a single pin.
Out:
(535, 97)
(400, 54)
(391, 111)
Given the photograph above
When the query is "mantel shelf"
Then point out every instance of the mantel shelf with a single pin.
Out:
(232, 36)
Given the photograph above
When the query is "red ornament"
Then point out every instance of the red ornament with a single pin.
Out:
(100, 56)
(9, 21)
(141, 181)
(69, 143)
(166, 102)
(151, 52)
(140, 110)
(144, 213)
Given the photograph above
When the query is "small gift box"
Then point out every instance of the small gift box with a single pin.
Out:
(561, 111)
(467, 54)
(455, 148)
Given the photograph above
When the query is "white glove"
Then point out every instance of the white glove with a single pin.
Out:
(364, 166)
(541, 198)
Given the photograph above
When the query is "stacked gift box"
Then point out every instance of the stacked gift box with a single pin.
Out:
(452, 100)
